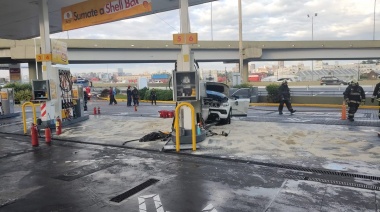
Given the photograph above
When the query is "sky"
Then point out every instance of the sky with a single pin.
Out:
(262, 20)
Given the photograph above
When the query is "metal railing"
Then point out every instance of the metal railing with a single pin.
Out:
(308, 93)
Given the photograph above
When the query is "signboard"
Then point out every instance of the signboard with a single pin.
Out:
(4, 95)
(142, 82)
(14, 72)
(179, 39)
(75, 93)
(191, 38)
(43, 57)
(187, 38)
(93, 12)
(59, 52)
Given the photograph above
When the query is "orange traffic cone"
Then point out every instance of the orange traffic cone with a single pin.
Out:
(344, 117)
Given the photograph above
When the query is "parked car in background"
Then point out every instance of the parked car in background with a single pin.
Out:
(331, 80)
(287, 79)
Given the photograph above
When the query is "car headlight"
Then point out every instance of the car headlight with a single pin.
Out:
(225, 104)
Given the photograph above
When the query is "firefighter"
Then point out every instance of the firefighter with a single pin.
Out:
(153, 96)
(135, 96)
(284, 93)
(376, 94)
(353, 95)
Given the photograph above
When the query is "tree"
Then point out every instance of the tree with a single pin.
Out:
(273, 95)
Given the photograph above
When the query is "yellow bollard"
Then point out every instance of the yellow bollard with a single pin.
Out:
(176, 126)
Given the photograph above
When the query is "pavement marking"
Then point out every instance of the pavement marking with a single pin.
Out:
(298, 120)
(209, 208)
(156, 199)
(160, 207)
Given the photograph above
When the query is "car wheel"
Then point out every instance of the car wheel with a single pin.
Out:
(229, 117)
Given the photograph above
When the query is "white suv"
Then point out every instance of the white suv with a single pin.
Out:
(221, 107)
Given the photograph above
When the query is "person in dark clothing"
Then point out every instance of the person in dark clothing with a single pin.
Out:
(284, 93)
(129, 96)
(376, 94)
(153, 96)
(112, 96)
(85, 98)
(135, 96)
(353, 95)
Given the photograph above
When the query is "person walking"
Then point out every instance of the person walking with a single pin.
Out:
(376, 94)
(284, 94)
(135, 96)
(85, 98)
(353, 95)
(153, 96)
(88, 91)
(129, 96)
(112, 96)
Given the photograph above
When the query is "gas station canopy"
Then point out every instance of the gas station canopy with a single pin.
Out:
(19, 19)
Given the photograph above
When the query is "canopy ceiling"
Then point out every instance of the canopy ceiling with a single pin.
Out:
(19, 18)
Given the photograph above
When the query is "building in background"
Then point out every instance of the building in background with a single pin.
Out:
(120, 72)
(132, 78)
(160, 78)
(281, 64)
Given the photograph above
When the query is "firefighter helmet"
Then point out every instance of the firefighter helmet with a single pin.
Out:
(354, 82)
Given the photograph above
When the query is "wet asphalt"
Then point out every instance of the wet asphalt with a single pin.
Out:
(80, 172)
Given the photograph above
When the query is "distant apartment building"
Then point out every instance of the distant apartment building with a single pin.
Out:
(252, 67)
(160, 78)
(281, 64)
(210, 75)
(120, 72)
(132, 78)
(318, 65)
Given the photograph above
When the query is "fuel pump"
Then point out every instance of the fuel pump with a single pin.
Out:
(66, 86)
(7, 102)
(186, 81)
(78, 100)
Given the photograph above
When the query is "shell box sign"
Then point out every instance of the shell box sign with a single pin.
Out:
(93, 12)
